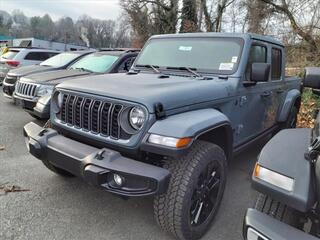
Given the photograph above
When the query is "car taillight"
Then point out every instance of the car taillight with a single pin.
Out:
(13, 63)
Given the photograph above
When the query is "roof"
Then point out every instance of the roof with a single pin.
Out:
(120, 49)
(117, 52)
(34, 49)
(227, 35)
(81, 51)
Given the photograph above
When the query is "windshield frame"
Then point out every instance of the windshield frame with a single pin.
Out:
(239, 40)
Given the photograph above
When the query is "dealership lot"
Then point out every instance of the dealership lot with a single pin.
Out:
(60, 208)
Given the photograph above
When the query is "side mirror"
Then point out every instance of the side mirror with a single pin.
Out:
(260, 72)
(312, 78)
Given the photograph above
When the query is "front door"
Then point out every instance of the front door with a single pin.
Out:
(252, 101)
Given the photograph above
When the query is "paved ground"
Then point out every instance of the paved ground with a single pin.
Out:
(58, 208)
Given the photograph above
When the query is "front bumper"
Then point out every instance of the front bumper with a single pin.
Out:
(259, 226)
(33, 106)
(96, 166)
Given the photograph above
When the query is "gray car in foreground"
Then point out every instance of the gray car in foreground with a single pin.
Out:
(60, 61)
(287, 176)
(169, 126)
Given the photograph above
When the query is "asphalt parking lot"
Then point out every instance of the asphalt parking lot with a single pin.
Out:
(60, 208)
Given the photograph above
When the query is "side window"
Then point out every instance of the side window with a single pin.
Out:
(126, 65)
(37, 56)
(258, 54)
(276, 64)
(51, 54)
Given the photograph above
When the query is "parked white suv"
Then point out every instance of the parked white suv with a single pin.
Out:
(17, 57)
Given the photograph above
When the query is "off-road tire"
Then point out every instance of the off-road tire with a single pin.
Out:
(57, 170)
(172, 209)
(278, 211)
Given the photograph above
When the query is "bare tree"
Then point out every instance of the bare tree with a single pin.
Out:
(189, 16)
(257, 14)
(214, 23)
(148, 17)
(305, 33)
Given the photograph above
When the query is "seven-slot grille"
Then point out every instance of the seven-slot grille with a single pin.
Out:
(26, 89)
(10, 79)
(96, 116)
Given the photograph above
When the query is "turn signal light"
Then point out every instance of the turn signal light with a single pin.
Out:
(169, 141)
(274, 178)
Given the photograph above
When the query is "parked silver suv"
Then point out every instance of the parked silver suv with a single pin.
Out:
(17, 57)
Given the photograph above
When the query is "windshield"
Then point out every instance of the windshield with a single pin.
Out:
(60, 60)
(218, 55)
(95, 62)
(10, 54)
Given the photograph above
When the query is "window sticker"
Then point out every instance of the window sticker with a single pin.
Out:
(226, 66)
(185, 48)
(234, 59)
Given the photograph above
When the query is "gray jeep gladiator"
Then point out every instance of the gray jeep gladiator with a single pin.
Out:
(170, 125)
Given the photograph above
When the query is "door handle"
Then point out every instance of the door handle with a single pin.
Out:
(266, 94)
(280, 90)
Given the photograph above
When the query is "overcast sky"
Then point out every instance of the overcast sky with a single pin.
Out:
(102, 9)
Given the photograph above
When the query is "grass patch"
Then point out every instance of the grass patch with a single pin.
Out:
(310, 102)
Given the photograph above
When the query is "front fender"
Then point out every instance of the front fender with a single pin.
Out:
(188, 124)
(291, 97)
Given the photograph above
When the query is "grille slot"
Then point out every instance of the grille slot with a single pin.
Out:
(92, 115)
(95, 116)
(115, 128)
(105, 115)
(26, 89)
(70, 109)
(85, 114)
(77, 112)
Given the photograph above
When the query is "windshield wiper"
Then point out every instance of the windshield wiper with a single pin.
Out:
(153, 67)
(83, 69)
(190, 70)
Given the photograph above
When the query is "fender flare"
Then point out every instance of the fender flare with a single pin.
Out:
(290, 100)
(193, 124)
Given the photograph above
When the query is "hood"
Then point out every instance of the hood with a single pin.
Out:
(54, 77)
(148, 89)
(25, 70)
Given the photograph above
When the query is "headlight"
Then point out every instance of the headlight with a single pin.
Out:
(56, 102)
(137, 117)
(273, 178)
(45, 89)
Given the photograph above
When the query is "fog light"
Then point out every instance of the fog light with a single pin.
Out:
(118, 179)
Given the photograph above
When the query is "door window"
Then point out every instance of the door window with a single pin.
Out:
(37, 56)
(276, 64)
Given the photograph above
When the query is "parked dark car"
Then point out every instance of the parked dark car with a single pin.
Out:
(60, 61)
(33, 92)
(287, 176)
(168, 127)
